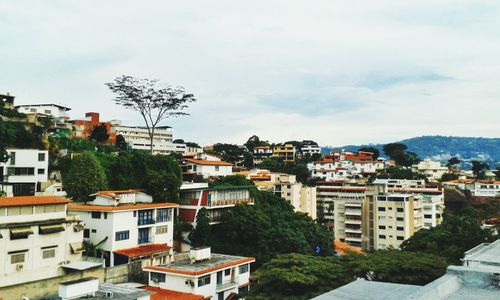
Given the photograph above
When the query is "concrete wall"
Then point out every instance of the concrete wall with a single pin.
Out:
(47, 287)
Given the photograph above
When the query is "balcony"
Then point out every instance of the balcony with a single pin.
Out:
(353, 230)
(225, 286)
(230, 202)
(354, 222)
(352, 239)
(353, 212)
(141, 222)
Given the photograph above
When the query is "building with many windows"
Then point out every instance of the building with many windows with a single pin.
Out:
(214, 276)
(260, 153)
(432, 170)
(38, 240)
(286, 152)
(128, 226)
(24, 172)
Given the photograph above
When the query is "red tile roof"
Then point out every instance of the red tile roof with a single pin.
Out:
(343, 249)
(88, 207)
(160, 294)
(201, 272)
(208, 162)
(143, 250)
(31, 200)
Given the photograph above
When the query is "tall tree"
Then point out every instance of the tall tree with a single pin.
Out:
(202, 234)
(84, 177)
(153, 100)
(375, 151)
(100, 134)
(479, 168)
(121, 143)
(453, 162)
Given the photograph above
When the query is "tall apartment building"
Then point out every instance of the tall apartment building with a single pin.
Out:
(128, 226)
(24, 172)
(301, 197)
(284, 152)
(38, 240)
(137, 137)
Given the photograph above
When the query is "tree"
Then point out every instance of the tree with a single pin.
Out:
(375, 151)
(497, 173)
(229, 152)
(234, 180)
(7, 137)
(254, 141)
(121, 143)
(393, 149)
(154, 101)
(100, 134)
(84, 177)
(479, 168)
(453, 162)
(398, 153)
(396, 172)
(202, 234)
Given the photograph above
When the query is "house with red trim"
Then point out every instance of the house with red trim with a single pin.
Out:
(128, 226)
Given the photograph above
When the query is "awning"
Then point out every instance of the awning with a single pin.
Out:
(81, 265)
(144, 250)
(46, 229)
(20, 232)
(78, 227)
(77, 247)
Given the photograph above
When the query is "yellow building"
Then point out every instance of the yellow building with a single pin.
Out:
(284, 152)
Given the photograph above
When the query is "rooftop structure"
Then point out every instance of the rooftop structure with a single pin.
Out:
(7, 101)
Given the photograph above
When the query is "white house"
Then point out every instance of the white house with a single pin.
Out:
(207, 165)
(24, 172)
(128, 226)
(310, 149)
(433, 170)
(215, 276)
(37, 239)
(56, 111)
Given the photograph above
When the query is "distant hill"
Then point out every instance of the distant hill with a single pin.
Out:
(443, 148)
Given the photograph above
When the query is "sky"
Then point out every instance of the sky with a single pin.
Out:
(337, 72)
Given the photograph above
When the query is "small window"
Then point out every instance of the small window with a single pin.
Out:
(94, 230)
(400, 219)
(205, 280)
(17, 258)
(381, 236)
(428, 216)
(400, 209)
(216, 168)
(243, 269)
(96, 215)
(105, 215)
(400, 238)
(161, 229)
(381, 209)
(381, 227)
(227, 272)
(86, 233)
(400, 228)
(47, 111)
(49, 252)
(12, 157)
(122, 235)
(32, 109)
(41, 156)
(41, 171)
(157, 277)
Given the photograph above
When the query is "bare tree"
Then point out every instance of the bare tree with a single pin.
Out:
(153, 100)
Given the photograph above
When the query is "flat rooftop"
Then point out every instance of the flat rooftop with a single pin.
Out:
(216, 262)
(370, 290)
(487, 253)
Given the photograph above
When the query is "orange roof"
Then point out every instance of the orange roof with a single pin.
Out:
(143, 250)
(420, 191)
(31, 200)
(85, 207)
(201, 272)
(341, 248)
(208, 162)
(160, 294)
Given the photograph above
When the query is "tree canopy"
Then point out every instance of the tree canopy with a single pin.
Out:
(202, 233)
(375, 151)
(84, 177)
(479, 168)
(398, 152)
(100, 134)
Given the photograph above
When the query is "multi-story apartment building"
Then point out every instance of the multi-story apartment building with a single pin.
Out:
(398, 217)
(432, 170)
(82, 129)
(260, 153)
(400, 183)
(345, 165)
(128, 226)
(214, 276)
(206, 165)
(217, 200)
(301, 197)
(7, 101)
(309, 148)
(284, 152)
(57, 112)
(138, 138)
(24, 172)
(38, 240)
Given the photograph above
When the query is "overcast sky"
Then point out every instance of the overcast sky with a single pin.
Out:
(338, 72)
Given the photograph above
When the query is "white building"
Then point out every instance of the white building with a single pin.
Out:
(57, 112)
(334, 170)
(214, 276)
(137, 137)
(24, 172)
(207, 165)
(128, 226)
(301, 197)
(310, 149)
(260, 153)
(37, 239)
(433, 170)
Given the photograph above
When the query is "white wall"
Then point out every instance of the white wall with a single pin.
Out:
(27, 158)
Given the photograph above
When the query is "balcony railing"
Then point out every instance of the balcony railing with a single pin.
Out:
(141, 222)
(225, 286)
(215, 203)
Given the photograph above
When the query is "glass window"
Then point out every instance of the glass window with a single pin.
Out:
(400, 238)
(41, 171)
(41, 156)
(12, 156)
(400, 228)
(163, 215)
(96, 215)
(400, 209)
(157, 277)
(227, 272)
(86, 233)
(145, 217)
(243, 269)
(49, 252)
(381, 209)
(17, 258)
(400, 219)
(161, 229)
(122, 235)
(205, 280)
(381, 236)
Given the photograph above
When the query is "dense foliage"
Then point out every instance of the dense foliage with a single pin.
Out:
(398, 152)
(84, 177)
(202, 234)
(296, 276)
(298, 169)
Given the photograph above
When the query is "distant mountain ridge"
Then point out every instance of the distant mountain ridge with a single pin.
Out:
(443, 148)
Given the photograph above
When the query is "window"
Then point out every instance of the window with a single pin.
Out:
(381, 227)
(400, 238)
(21, 171)
(400, 209)
(157, 277)
(86, 233)
(47, 111)
(32, 109)
(122, 235)
(145, 217)
(41, 171)
(400, 219)
(12, 156)
(205, 280)
(400, 228)
(49, 252)
(227, 272)
(428, 216)
(94, 230)
(96, 215)
(243, 269)
(164, 215)
(105, 215)
(216, 168)
(381, 236)
(17, 257)
(41, 156)
(161, 229)
(381, 209)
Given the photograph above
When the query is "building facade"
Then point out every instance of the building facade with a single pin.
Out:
(286, 152)
(82, 129)
(206, 166)
(432, 170)
(127, 226)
